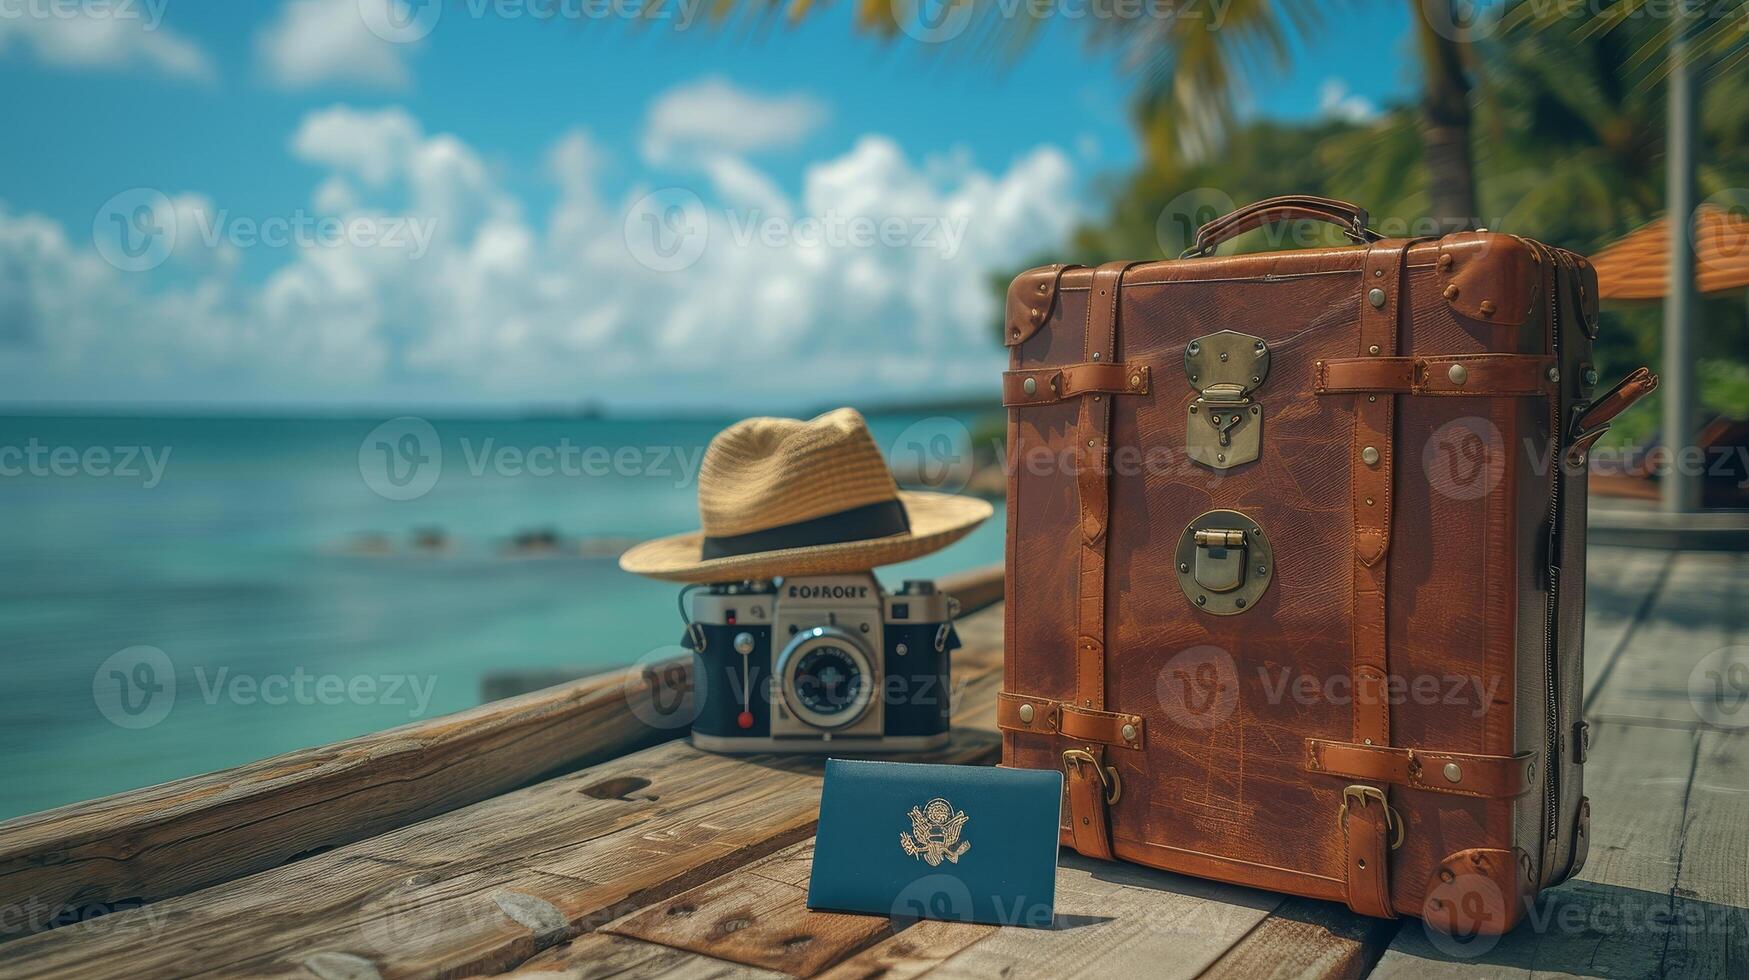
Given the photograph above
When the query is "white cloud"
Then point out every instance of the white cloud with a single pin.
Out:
(784, 306)
(1337, 102)
(713, 117)
(316, 42)
(373, 146)
(82, 36)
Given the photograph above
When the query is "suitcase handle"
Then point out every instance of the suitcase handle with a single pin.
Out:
(1350, 218)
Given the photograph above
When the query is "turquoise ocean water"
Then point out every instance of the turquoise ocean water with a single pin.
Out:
(283, 591)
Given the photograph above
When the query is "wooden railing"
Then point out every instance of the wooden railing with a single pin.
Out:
(161, 841)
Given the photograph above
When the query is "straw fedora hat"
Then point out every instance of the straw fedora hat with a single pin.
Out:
(785, 497)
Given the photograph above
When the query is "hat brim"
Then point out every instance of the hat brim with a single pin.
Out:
(937, 520)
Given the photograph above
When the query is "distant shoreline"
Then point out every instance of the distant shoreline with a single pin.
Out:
(966, 404)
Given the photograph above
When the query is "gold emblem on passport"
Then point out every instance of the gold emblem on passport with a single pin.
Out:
(935, 833)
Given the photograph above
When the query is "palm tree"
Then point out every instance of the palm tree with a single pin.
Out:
(1192, 68)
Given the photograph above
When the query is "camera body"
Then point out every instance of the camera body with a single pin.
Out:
(826, 663)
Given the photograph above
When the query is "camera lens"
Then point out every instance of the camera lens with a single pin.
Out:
(826, 676)
(828, 681)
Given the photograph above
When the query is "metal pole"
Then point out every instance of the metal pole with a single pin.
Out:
(1680, 484)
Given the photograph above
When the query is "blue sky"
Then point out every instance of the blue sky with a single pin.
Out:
(530, 145)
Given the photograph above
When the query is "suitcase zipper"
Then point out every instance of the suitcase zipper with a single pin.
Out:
(1551, 650)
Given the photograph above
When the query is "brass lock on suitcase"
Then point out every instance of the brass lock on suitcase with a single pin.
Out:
(1225, 427)
(1224, 562)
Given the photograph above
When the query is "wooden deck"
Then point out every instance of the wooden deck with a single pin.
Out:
(451, 848)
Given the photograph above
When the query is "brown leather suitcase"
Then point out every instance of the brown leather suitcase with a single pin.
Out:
(1296, 561)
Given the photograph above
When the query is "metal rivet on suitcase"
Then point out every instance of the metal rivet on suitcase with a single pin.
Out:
(1026, 713)
(1369, 456)
(1453, 772)
(1376, 297)
(1374, 349)
(1029, 386)
(1487, 307)
(1458, 374)
(1554, 374)
(1451, 292)
(1129, 733)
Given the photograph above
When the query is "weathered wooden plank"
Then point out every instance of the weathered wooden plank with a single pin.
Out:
(1607, 923)
(484, 888)
(911, 953)
(1709, 932)
(1621, 586)
(599, 955)
(1691, 619)
(1306, 938)
(161, 841)
(758, 915)
(1119, 920)
(177, 837)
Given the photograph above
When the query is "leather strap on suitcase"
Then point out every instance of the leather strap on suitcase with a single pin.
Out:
(1370, 827)
(1092, 785)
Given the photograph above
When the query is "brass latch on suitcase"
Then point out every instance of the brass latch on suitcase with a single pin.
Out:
(1224, 562)
(1225, 427)
(1220, 559)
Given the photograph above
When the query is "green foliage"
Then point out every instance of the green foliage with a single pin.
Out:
(1568, 143)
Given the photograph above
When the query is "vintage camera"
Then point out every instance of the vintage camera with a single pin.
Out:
(828, 663)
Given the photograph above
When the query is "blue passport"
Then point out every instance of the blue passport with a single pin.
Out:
(958, 843)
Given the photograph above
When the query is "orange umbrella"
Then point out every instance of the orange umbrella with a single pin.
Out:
(1637, 266)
